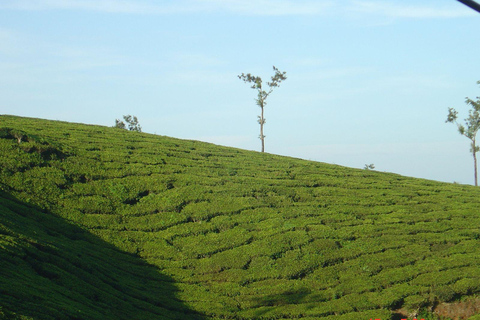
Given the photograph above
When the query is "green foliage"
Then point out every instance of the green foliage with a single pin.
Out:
(132, 123)
(370, 166)
(116, 224)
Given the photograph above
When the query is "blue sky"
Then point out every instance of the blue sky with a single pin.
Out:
(368, 81)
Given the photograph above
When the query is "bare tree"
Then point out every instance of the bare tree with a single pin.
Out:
(262, 95)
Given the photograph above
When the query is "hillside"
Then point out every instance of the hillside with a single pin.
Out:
(103, 223)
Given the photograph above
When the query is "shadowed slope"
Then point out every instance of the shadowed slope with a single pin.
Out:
(51, 269)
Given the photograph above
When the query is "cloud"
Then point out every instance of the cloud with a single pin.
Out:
(397, 9)
(110, 6)
(401, 10)
(270, 7)
(242, 7)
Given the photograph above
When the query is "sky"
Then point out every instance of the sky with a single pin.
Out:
(368, 81)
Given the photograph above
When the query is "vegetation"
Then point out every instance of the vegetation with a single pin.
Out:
(470, 129)
(132, 123)
(262, 95)
(99, 223)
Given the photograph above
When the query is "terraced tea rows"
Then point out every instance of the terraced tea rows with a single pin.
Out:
(236, 234)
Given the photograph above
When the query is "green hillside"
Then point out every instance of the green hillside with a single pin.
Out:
(104, 223)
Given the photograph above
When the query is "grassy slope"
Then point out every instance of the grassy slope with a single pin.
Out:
(160, 226)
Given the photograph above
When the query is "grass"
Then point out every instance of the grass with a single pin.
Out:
(100, 223)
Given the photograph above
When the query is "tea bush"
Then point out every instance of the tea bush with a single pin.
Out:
(166, 228)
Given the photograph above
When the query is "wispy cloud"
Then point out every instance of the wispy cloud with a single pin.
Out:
(398, 9)
(243, 7)
(111, 6)
(271, 7)
(29, 55)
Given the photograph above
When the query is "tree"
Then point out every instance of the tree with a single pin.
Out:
(131, 121)
(471, 127)
(262, 95)
(120, 124)
(369, 166)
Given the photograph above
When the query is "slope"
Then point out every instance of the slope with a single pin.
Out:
(236, 234)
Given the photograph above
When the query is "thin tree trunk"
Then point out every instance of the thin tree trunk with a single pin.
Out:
(474, 153)
(262, 137)
(475, 165)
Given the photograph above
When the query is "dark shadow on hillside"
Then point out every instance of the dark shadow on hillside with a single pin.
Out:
(399, 316)
(52, 269)
(288, 297)
(267, 303)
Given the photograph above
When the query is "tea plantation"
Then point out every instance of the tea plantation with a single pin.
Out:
(104, 223)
